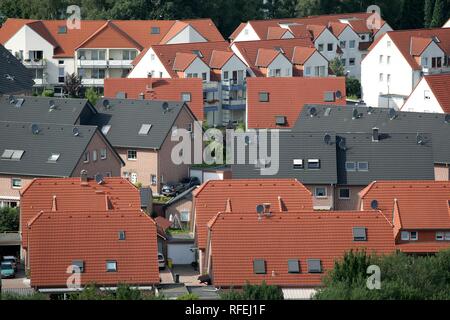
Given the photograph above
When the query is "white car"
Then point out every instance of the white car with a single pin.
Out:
(161, 261)
(11, 259)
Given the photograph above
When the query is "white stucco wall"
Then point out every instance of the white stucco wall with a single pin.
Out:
(325, 38)
(149, 63)
(234, 64)
(187, 35)
(316, 60)
(281, 62)
(247, 34)
(198, 67)
(417, 101)
(348, 53)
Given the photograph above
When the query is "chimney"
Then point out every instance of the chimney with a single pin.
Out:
(281, 204)
(54, 204)
(83, 177)
(375, 134)
(228, 207)
(141, 96)
(267, 211)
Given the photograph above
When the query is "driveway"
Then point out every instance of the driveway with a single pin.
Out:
(188, 275)
(19, 282)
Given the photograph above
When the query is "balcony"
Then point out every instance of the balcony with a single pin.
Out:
(35, 63)
(235, 104)
(92, 82)
(39, 82)
(120, 64)
(233, 85)
(92, 63)
(210, 86)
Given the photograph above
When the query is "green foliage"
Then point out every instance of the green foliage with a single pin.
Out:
(12, 296)
(428, 12)
(440, 14)
(72, 85)
(123, 292)
(337, 67)
(353, 87)
(48, 93)
(188, 296)
(91, 95)
(403, 277)
(254, 292)
(9, 219)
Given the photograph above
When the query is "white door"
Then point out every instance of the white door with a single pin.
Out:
(180, 253)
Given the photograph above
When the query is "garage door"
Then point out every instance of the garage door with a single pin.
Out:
(213, 176)
(180, 253)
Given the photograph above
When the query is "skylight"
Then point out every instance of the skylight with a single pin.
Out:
(105, 129)
(145, 128)
(12, 154)
(54, 157)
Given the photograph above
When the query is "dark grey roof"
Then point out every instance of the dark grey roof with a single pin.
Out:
(52, 138)
(396, 156)
(126, 116)
(37, 109)
(294, 145)
(14, 77)
(340, 120)
(187, 194)
(10, 239)
(146, 194)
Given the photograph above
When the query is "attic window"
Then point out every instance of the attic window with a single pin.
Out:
(280, 120)
(198, 53)
(263, 97)
(293, 266)
(62, 29)
(359, 234)
(259, 266)
(77, 265)
(12, 154)
(314, 266)
(122, 235)
(350, 166)
(313, 164)
(53, 157)
(363, 166)
(298, 164)
(186, 97)
(145, 128)
(105, 129)
(329, 96)
(155, 30)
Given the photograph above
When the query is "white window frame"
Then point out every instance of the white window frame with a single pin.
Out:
(128, 155)
(111, 263)
(416, 235)
(344, 198)
(94, 155)
(133, 178)
(103, 153)
(320, 197)
(405, 236)
(12, 183)
(86, 157)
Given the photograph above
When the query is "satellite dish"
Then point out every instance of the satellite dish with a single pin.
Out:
(420, 139)
(370, 110)
(392, 114)
(338, 94)
(247, 140)
(447, 118)
(165, 107)
(313, 112)
(99, 178)
(260, 209)
(51, 105)
(327, 138)
(35, 128)
(342, 145)
(76, 132)
(355, 114)
(374, 204)
(12, 99)
(106, 104)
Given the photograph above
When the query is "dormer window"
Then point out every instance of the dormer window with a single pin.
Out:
(263, 97)
(155, 30)
(62, 29)
(298, 164)
(145, 128)
(313, 164)
(53, 157)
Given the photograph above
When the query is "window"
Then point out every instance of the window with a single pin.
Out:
(344, 194)
(152, 57)
(204, 76)
(405, 236)
(298, 164)
(12, 154)
(225, 75)
(98, 55)
(259, 266)
(153, 180)
(60, 61)
(121, 235)
(381, 77)
(62, 29)
(320, 47)
(133, 178)
(144, 130)
(343, 44)
(94, 155)
(98, 74)
(320, 192)
(330, 47)
(184, 216)
(105, 129)
(388, 79)
(308, 71)
(16, 183)
(381, 58)
(61, 74)
(86, 157)
(280, 120)
(103, 153)
(351, 61)
(128, 54)
(189, 127)
(313, 164)
(447, 236)
(53, 157)
(314, 266)
(352, 44)
(186, 97)
(350, 166)
(78, 265)
(363, 166)
(131, 154)
(293, 266)
(263, 97)
(389, 43)
(359, 234)
(111, 266)
(388, 60)
(440, 236)
(155, 30)
(363, 37)
(414, 235)
(427, 94)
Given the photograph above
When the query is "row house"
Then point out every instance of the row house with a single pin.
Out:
(96, 226)
(15, 79)
(222, 72)
(141, 133)
(99, 49)
(430, 95)
(418, 211)
(345, 36)
(30, 149)
(397, 62)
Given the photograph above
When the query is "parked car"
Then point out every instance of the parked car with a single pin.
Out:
(161, 261)
(11, 259)
(172, 189)
(7, 270)
(190, 182)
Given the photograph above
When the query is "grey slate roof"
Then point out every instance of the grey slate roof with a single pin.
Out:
(187, 194)
(37, 109)
(126, 116)
(14, 76)
(340, 120)
(145, 194)
(52, 138)
(294, 145)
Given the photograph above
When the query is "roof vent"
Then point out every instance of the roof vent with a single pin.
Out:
(76, 132)
(392, 114)
(99, 178)
(327, 139)
(312, 111)
(165, 107)
(51, 105)
(35, 129)
(420, 139)
(342, 145)
(369, 110)
(375, 134)
(106, 104)
(356, 114)
(83, 177)
(374, 204)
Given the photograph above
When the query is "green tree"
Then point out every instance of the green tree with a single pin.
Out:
(188, 296)
(308, 7)
(254, 292)
(353, 87)
(337, 67)
(92, 95)
(428, 12)
(73, 85)
(9, 219)
(439, 14)
(412, 14)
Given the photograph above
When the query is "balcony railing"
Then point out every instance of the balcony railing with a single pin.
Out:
(34, 63)
(93, 82)
(104, 63)
(234, 104)
(233, 84)
(210, 86)
(120, 63)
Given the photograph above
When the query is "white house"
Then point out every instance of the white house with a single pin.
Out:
(447, 24)
(398, 60)
(432, 94)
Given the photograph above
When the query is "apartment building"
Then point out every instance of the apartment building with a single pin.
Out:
(397, 62)
(97, 50)
(15, 79)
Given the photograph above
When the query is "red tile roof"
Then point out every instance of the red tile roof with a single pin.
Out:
(302, 54)
(316, 30)
(219, 58)
(59, 238)
(422, 204)
(137, 32)
(337, 28)
(243, 196)
(287, 96)
(68, 194)
(419, 44)
(183, 61)
(265, 57)
(440, 84)
(239, 238)
(276, 33)
(159, 89)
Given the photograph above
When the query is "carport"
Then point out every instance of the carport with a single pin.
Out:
(10, 244)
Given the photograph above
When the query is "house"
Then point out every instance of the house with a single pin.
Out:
(29, 150)
(61, 194)
(107, 247)
(276, 103)
(243, 195)
(95, 50)
(418, 210)
(345, 36)
(430, 95)
(292, 249)
(179, 210)
(434, 128)
(15, 79)
(188, 90)
(140, 131)
(398, 60)
(222, 72)
(447, 24)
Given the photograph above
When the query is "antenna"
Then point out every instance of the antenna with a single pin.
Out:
(106, 104)
(99, 178)
(342, 145)
(374, 204)
(327, 139)
(355, 114)
(313, 112)
(165, 107)
(370, 110)
(35, 129)
(392, 114)
(420, 139)
(76, 132)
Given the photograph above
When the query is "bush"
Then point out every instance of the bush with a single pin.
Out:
(92, 95)
(254, 292)
(9, 219)
(188, 296)
(353, 87)
(48, 93)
